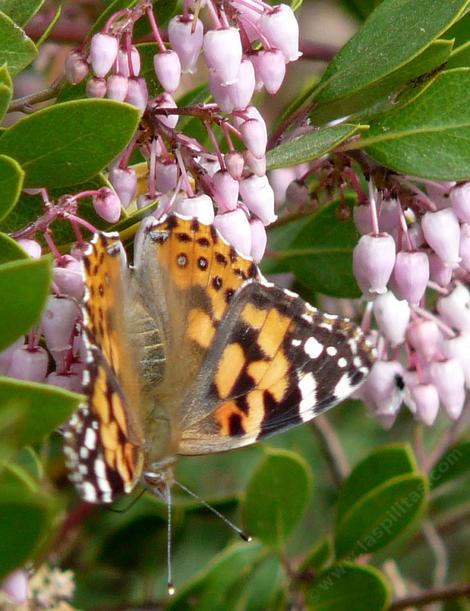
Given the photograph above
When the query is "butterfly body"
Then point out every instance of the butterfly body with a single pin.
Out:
(191, 351)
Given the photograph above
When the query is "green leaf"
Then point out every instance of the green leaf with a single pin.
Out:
(10, 250)
(361, 8)
(24, 520)
(91, 134)
(380, 56)
(24, 287)
(460, 57)
(309, 146)
(147, 50)
(319, 557)
(11, 182)
(47, 407)
(20, 11)
(454, 463)
(379, 466)
(262, 588)
(6, 90)
(320, 254)
(379, 517)
(349, 587)
(277, 496)
(419, 138)
(17, 50)
(210, 587)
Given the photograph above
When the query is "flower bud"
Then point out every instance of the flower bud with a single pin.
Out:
(448, 377)
(362, 216)
(225, 190)
(257, 165)
(455, 308)
(424, 336)
(124, 181)
(235, 228)
(211, 166)
(425, 400)
(460, 201)
(464, 247)
(103, 53)
(123, 62)
(168, 70)
(416, 236)
(165, 100)
(258, 196)
(166, 176)
(29, 364)
(259, 239)
(186, 42)
(234, 164)
(223, 52)
(117, 87)
(392, 317)
(411, 275)
(76, 68)
(107, 205)
(281, 28)
(31, 247)
(242, 91)
(200, 207)
(137, 93)
(68, 277)
(373, 262)
(7, 353)
(96, 87)
(383, 389)
(442, 232)
(255, 136)
(270, 68)
(221, 94)
(439, 271)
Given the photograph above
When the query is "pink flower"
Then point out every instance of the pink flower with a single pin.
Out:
(255, 136)
(425, 402)
(411, 275)
(166, 176)
(270, 68)
(117, 87)
(425, 337)
(31, 247)
(165, 100)
(242, 91)
(123, 62)
(373, 262)
(460, 200)
(124, 181)
(442, 232)
(103, 53)
(392, 317)
(257, 165)
(76, 68)
(96, 87)
(258, 195)
(281, 28)
(259, 240)
(186, 42)
(68, 277)
(234, 164)
(223, 53)
(225, 190)
(29, 364)
(235, 228)
(107, 205)
(168, 70)
(448, 377)
(137, 93)
(200, 206)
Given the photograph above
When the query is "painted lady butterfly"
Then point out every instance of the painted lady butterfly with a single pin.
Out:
(191, 351)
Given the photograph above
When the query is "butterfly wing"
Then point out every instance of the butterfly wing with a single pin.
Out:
(276, 362)
(104, 438)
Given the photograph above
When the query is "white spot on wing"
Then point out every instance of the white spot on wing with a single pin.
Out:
(307, 387)
(343, 388)
(89, 492)
(90, 439)
(296, 342)
(331, 351)
(342, 362)
(313, 348)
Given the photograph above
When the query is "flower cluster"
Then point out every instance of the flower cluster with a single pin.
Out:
(412, 255)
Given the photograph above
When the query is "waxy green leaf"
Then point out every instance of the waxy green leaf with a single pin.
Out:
(16, 49)
(11, 182)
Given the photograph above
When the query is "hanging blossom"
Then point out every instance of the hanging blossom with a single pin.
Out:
(245, 47)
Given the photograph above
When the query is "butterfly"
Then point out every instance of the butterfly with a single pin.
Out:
(191, 351)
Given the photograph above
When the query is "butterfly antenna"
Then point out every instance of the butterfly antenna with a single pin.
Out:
(171, 587)
(230, 524)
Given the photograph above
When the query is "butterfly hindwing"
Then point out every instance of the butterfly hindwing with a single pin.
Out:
(103, 439)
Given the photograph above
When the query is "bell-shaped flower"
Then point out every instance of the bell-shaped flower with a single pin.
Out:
(460, 200)
(76, 68)
(137, 93)
(200, 207)
(459, 348)
(454, 308)
(186, 39)
(425, 402)
(235, 228)
(234, 163)
(392, 316)
(259, 239)
(223, 52)
(242, 90)
(107, 205)
(257, 165)
(442, 232)
(31, 247)
(255, 136)
(124, 181)
(29, 364)
(373, 262)
(68, 277)
(7, 353)
(226, 190)
(166, 176)
(168, 70)
(440, 273)
(449, 379)
(123, 62)
(103, 53)
(411, 275)
(117, 87)
(464, 247)
(383, 389)
(221, 94)
(281, 28)
(425, 337)
(270, 68)
(258, 196)
(96, 87)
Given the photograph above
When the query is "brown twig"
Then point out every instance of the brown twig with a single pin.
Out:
(429, 596)
(25, 103)
(332, 448)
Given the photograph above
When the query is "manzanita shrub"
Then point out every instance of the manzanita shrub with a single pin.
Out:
(349, 186)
